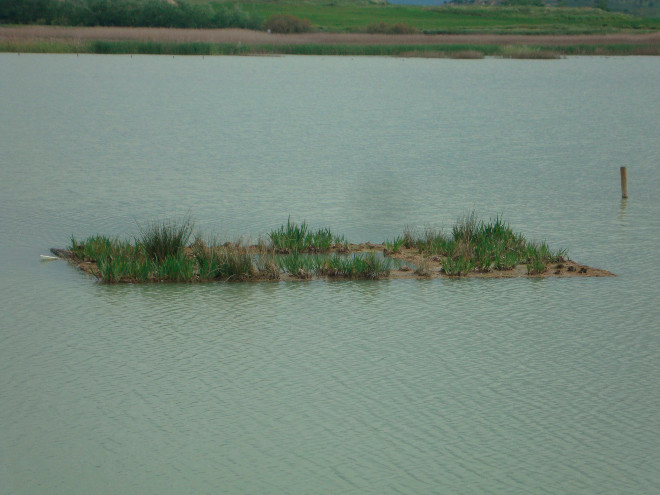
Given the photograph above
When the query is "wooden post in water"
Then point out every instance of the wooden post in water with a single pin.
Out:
(624, 183)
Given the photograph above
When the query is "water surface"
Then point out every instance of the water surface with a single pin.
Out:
(399, 386)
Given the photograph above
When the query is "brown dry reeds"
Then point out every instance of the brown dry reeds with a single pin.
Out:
(50, 33)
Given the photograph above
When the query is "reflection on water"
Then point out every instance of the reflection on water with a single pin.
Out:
(515, 386)
(624, 206)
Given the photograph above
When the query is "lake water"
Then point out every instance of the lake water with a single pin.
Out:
(396, 386)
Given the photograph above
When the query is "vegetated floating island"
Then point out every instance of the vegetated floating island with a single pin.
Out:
(163, 252)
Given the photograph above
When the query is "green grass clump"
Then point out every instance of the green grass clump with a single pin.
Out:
(160, 254)
(423, 268)
(457, 267)
(298, 265)
(394, 246)
(506, 261)
(121, 261)
(226, 262)
(175, 268)
(236, 263)
(161, 240)
(93, 248)
(484, 246)
(409, 237)
(116, 260)
(536, 266)
(114, 269)
(359, 266)
(294, 238)
(433, 243)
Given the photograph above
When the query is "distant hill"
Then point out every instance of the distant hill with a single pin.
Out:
(645, 8)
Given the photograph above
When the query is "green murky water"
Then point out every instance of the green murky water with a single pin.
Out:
(399, 386)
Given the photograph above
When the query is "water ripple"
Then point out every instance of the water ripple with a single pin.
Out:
(399, 386)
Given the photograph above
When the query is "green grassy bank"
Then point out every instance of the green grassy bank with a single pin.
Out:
(365, 17)
(323, 15)
(402, 50)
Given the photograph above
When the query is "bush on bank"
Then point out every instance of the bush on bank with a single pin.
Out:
(287, 24)
(126, 13)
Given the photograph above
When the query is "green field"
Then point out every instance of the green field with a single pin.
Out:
(354, 16)
(324, 16)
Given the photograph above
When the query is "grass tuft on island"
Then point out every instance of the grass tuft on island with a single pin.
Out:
(162, 252)
(475, 245)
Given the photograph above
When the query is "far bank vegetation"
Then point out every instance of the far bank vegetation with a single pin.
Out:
(128, 13)
(290, 16)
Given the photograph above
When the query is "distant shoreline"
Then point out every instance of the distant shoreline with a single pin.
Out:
(49, 33)
(171, 41)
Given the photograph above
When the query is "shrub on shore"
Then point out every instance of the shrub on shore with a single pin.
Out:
(127, 13)
(384, 28)
(287, 24)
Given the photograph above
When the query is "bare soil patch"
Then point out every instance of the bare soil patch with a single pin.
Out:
(566, 268)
